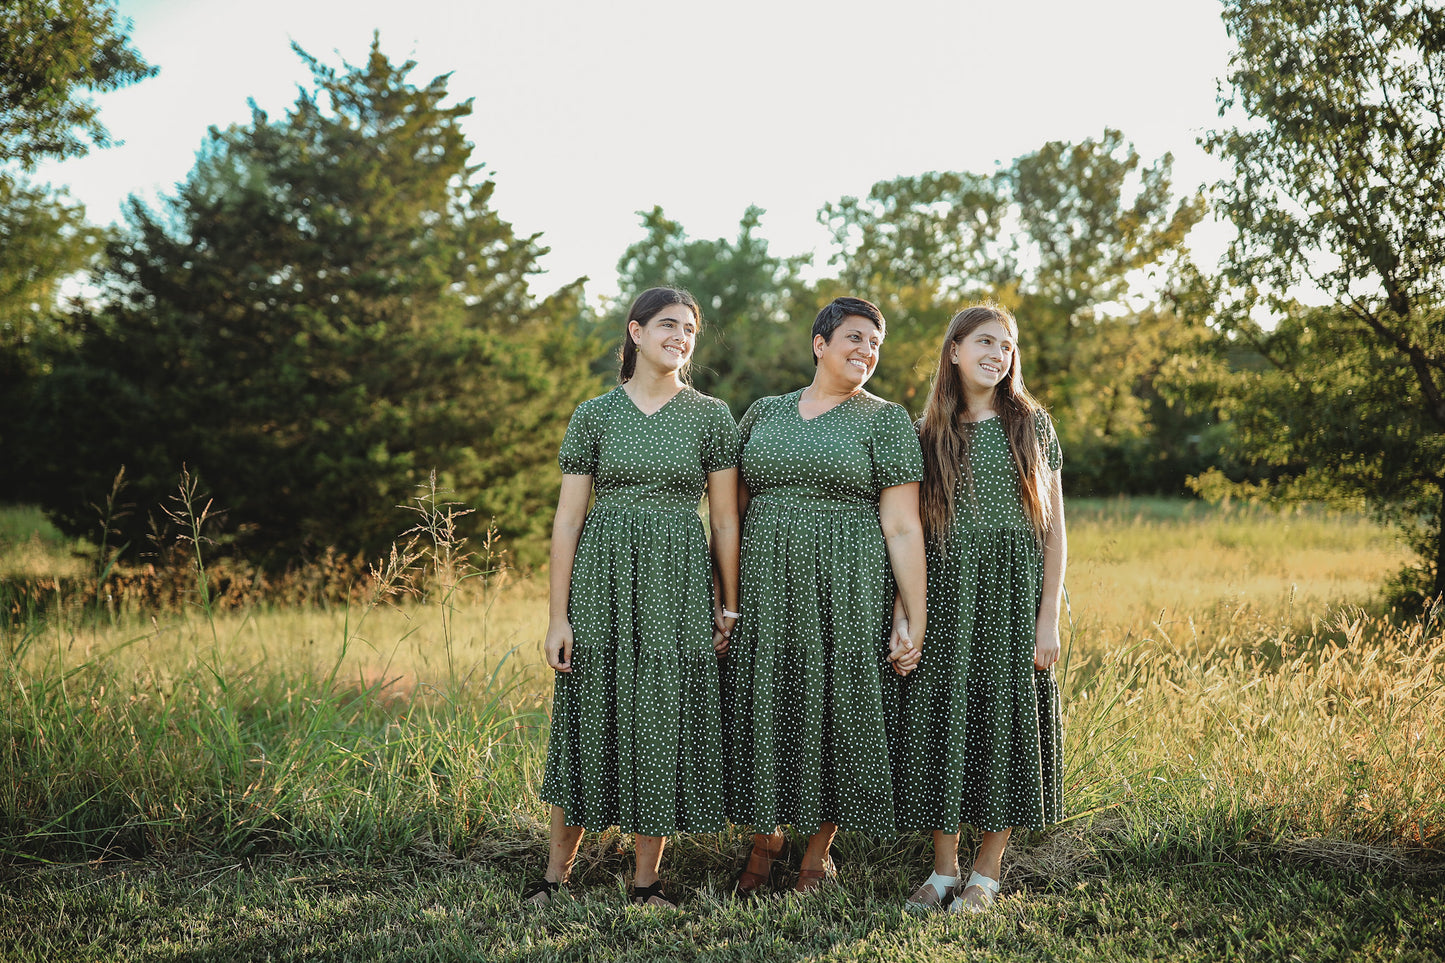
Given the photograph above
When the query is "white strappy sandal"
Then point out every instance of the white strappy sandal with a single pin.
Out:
(987, 890)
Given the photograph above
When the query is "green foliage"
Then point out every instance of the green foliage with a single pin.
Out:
(43, 239)
(1337, 185)
(1093, 220)
(51, 51)
(327, 310)
(1081, 241)
(940, 231)
(1323, 422)
(755, 337)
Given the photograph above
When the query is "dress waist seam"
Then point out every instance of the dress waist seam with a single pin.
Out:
(820, 506)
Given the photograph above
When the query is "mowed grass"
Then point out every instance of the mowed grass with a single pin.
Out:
(416, 909)
(1255, 768)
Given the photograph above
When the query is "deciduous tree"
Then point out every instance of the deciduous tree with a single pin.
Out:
(1339, 154)
(1068, 237)
(52, 52)
(755, 340)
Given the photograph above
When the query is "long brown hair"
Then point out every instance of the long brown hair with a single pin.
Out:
(945, 438)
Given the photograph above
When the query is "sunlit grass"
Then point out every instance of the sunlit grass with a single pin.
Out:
(31, 547)
(1229, 682)
(1135, 563)
(403, 646)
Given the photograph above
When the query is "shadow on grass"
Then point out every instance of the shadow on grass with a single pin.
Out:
(1257, 908)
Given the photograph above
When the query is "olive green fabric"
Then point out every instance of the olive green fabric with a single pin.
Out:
(979, 738)
(635, 739)
(803, 723)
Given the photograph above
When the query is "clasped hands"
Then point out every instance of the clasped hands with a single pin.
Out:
(903, 652)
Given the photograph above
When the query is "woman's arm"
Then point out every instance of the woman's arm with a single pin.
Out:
(566, 530)
(722, 512)
(1056, 559)
(903, 534)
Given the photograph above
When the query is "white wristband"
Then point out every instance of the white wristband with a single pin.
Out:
(731, 615)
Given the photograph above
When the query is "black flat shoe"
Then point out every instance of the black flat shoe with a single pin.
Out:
(651, 896)
(539, 892)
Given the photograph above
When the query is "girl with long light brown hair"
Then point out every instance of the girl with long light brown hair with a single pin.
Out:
(980, 735)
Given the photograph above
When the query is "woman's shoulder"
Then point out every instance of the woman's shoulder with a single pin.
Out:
(873, 407)
(1048, 437)
(598, 410)
(601, 401)
(705, 401)
(1043, 421)
(769, 403)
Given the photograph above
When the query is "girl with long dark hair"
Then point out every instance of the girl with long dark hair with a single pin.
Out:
(634, 628)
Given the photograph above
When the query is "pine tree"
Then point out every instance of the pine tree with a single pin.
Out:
(328, 310)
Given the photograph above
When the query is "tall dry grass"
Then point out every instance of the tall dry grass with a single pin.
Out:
(1229, 681)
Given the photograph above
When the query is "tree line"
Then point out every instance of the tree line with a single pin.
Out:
(329, 307)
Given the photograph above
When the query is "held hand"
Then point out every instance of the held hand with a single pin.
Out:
(1046, 645)
(901, 651)
(722, 632)
(559, 646)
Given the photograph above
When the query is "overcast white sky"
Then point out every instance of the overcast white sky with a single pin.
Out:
(587, 112)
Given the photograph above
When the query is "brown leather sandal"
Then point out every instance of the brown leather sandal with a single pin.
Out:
(811, 879)
(749, 883)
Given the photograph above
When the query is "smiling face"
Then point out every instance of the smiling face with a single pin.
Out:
(850, 356)
(983, 357)
(665, 341)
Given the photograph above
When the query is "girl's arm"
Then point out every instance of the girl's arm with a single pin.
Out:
(566, 530)
(903, 534)
(1056, 558)
(722, 511)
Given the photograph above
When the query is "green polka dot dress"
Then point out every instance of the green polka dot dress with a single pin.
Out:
(981, 736)
(635, 738)
(803, 722)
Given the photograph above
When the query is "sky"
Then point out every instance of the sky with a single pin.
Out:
(589, 112)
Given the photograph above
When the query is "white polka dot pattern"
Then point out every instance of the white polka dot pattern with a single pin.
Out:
(635, 738)
(980, 738)
(803, 723)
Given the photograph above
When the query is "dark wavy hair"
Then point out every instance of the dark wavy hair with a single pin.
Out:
(644, 307)
(836, 310)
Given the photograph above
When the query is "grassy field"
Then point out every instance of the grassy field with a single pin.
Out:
(1255, 769)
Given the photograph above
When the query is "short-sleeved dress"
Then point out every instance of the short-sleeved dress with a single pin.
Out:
(635, 738)
(981, 741)
(803, 722)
